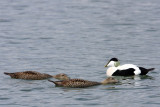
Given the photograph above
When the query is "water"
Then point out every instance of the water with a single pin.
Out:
(78, 37)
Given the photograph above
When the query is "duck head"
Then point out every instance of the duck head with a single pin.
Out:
(61, 76)
(113, 63)
(109, 80)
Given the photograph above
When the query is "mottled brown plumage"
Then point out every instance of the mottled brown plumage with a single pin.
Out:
(33, 75)
(80, 83)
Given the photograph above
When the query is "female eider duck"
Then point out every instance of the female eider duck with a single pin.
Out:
(80, 83)
(116, 69)
(33, 75)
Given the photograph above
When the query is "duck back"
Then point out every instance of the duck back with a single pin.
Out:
(28, 75)
(75, 83)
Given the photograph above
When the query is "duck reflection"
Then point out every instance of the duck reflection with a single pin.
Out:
(133, 80)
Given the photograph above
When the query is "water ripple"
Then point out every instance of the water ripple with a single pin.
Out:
(75, 37)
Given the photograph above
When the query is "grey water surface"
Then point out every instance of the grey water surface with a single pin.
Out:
(78, 37)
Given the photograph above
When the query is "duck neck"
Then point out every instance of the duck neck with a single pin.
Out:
(60, 78)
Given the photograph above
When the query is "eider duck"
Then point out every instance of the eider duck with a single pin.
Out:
(116, 69)
(80, 83)
(33, 75)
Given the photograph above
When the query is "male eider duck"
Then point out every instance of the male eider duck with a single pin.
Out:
(80, 83)
(33, 75)
(115, 69)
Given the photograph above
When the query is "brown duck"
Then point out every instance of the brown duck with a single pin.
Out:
(33, 75)
(80, 83)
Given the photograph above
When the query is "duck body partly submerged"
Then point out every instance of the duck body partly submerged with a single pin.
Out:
(75, 83)
(124, 70)
(33, 75)
(80, 83)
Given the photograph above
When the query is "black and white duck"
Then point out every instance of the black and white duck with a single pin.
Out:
(115, 69)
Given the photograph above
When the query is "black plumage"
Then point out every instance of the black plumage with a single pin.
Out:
(144, 71)
(126, 72)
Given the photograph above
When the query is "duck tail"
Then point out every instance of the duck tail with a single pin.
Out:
(51, 81)
(56, 83)
(8, 73)
(150, 69)
(12, 75)
(144, 71)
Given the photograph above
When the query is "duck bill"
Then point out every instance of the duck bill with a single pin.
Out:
(106, 65)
